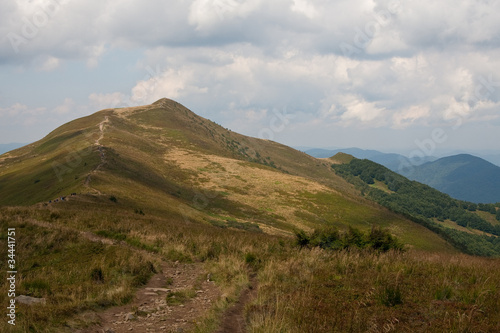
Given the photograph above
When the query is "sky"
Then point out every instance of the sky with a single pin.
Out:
(415, 76)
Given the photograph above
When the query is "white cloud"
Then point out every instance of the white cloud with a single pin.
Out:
(304, 7)
(361, 110)
(47, 63)
(406, 118)
(416, 63)
(171, 83)
(69, 30)
(19, 110)
(206, 13)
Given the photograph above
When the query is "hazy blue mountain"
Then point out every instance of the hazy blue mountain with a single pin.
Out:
(394, 162)
(463, 177)
(492, 156)
(5, 147)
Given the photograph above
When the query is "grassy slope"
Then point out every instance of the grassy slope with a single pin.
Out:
(299, 192)
(299, 290)
(422, 203)
(54, 166)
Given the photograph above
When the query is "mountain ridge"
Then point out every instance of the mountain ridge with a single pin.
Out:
(165, 159)
(392, 161)
(464, 176)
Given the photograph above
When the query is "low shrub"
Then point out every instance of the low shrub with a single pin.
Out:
(331, 239)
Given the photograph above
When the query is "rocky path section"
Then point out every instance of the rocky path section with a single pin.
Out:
(172, 301)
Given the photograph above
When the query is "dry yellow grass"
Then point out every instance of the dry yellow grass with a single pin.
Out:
(314, 291)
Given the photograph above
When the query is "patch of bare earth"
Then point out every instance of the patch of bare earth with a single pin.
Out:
(150, 311)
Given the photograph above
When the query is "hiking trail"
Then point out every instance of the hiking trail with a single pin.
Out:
(101, 150)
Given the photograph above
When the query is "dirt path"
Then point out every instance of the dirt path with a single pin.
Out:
(101, 151)
(233, 320)
(172, 301)
(159, 307)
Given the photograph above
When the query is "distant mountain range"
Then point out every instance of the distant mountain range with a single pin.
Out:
(5, 147)
(463, 176)
(394, 162)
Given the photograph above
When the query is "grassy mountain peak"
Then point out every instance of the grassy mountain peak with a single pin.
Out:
(164, 159)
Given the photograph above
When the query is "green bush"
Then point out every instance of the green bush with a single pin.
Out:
(382, 240)
(330, 239)
(36, 288)
(250, 258)
(302, 239)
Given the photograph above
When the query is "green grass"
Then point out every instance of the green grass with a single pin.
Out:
(72, 273)
(488, 217)
(331, 209)
(341, 158)
(299, 290)
(313, 291)
(381, 186)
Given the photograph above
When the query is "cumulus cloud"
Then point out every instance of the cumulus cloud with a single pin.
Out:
(100, 101)
(388, 27)
(305, 8)
(359, 110)
(398, 92)
(353, 64)
(408, 117)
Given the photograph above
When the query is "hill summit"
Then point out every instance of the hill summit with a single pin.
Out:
(463, 177)
(164, 159)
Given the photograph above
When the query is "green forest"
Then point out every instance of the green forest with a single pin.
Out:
(426, 206)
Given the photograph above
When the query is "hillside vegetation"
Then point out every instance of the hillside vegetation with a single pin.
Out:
(427, 206)
(164, 159)
(300, 289)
